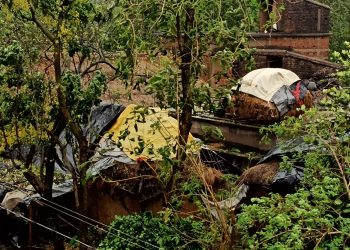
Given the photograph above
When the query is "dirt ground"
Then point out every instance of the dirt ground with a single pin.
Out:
(117, 92)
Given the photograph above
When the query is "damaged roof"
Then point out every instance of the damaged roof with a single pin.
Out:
(318, 3)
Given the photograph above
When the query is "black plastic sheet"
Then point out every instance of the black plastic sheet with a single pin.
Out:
(285, 181)
(101, 119)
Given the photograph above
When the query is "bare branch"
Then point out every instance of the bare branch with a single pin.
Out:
(40, 25)
(87, 70)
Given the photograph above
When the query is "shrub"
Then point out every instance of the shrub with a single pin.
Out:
(144, 231)
(317, 215)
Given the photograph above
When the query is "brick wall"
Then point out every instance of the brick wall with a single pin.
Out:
(305, 17)
(314, 45)
(303, 66)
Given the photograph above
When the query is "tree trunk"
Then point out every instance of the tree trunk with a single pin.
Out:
(186, 66)
(186, 81)
(50, 156)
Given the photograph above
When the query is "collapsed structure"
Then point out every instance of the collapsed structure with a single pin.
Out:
(295, 37)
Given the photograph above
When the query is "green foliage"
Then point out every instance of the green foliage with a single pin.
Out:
(163, 85)
(61, 40)
(82, 99)
(30, 99)
(316, 216)
(188, 189)
(312, 216)
(230, 187)
(343, 58)
(192, 186)
(163, 30)
(165, 170)
(297, 221)
(212, 132)
(22, 99)
(339, 23)
(202, 97)
(154, 232)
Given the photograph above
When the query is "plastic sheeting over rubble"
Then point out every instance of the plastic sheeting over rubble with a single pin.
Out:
(284, 97)
(107, 155)
(138, 133)
(102, 117)
(13, 198)
(288, 179)
(57, 191)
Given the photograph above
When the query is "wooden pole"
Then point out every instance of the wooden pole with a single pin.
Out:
(30, 229)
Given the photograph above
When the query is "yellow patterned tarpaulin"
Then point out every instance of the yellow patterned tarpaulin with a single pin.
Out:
(142, 132)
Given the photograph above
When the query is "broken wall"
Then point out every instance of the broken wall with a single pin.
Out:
(305, 17)
(313, 45)
(304, 66)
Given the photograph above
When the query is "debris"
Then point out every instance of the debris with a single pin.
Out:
(210, 175)
(311, 86)
(267, 176)
(287, 148)
(214, 160)
(12, 199)
(249, 108)
(229, 203)
(266, 95)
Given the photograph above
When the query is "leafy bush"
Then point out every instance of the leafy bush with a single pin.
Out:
(317, 215)
(309, 218)
(144, 231)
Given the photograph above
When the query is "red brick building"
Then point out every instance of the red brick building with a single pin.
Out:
(297, 38)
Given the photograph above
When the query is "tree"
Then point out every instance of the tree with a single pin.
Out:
(339, 23)
(188, 32)
(62, 40)
(71, 39)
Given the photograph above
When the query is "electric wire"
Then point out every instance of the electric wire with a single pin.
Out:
(95, 221)
(46, 227)
(46, 201)
(98, 228)
(86, 222)
(81, 220)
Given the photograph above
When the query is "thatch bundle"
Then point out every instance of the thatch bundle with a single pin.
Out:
(250, 108)
(211, 176)
(261, 174)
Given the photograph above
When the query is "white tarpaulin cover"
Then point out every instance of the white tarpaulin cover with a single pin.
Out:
(264, 83)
